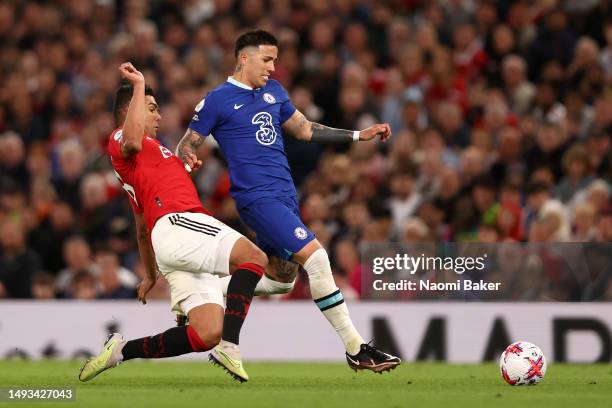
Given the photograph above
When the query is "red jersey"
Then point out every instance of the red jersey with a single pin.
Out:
(155, 179)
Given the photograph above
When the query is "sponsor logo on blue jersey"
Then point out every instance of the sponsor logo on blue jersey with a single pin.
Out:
(246, 123)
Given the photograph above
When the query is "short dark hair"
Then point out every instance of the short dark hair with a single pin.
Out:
(536, 187)
(123, 97)
(254, 39)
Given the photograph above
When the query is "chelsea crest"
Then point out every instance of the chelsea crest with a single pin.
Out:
(269, 98)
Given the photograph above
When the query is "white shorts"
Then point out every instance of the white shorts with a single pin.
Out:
(190, 249)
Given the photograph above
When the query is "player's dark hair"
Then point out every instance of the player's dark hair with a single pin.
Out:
(123, 97)
(254, 39)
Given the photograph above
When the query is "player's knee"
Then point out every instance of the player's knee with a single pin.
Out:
(259, 257)
(207, 326)
(318, 265)
(245, 251)
(255, 255)
(211, 336)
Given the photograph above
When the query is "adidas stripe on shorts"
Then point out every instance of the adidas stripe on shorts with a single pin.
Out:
(191, 250)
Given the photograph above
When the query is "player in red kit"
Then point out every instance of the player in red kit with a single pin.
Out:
(180, 238)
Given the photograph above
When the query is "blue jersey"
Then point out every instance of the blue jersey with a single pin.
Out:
(247, 123)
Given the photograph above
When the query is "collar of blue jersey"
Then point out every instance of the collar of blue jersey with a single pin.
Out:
(239, 84)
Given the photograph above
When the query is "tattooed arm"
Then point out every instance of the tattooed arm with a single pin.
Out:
(187, 149)
(303, 129)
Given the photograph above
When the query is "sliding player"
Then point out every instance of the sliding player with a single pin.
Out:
(185, 241)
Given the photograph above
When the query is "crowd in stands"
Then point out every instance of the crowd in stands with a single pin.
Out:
(501, 114)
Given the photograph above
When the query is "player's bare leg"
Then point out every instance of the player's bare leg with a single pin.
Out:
(207, 322)
(202, 334)
(279, 278)
(281, 270)
(328, 298)
(248, 263)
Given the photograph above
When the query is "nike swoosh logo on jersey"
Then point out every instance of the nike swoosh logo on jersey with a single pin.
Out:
(238, 106)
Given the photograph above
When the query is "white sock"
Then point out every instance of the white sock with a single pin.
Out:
(265, 286)
(325, 294)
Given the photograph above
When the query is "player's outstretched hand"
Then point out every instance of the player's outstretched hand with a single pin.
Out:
(144, 287)
(192, 161)
(381, 129)
(130, 73)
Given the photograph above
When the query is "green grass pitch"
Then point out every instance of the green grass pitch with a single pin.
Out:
(293, 385)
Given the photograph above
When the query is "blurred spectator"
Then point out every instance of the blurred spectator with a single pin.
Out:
(519, 90)
(355, 217)
(488, 234)
(555, 30)
(347, 270)
(12, 158)
(596, 194)
(605, 230)
(109, 272)
(509, 163)
(18, 263)
(584, 218)
(473, 164)
(606, 54)
(500, 44)
(484, 197)
(43, 286)
(586, 58)
(83, 286)
(431, 212)
(95, 211)
(49, 236)
(552, 224)
(600, 152)
(404, 200)
(577, 169)
(450, 121)
(71, 160)
(537, 195)
(469, 56)
(78, 258)
(548, 151)
(580, 115)
(414, 231)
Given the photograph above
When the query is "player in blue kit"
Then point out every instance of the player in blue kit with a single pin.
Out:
(247, 115)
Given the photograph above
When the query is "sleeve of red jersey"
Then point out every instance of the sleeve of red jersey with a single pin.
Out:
(114, 150)
(114, 146)
(118, 161)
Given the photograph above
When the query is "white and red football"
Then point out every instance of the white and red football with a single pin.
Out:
(522, 363)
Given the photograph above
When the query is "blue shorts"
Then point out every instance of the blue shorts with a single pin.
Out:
(276, 221)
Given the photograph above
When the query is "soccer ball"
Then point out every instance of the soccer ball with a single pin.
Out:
(522, 363)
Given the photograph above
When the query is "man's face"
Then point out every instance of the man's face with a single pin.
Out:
(152, 116)
(258, 64)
